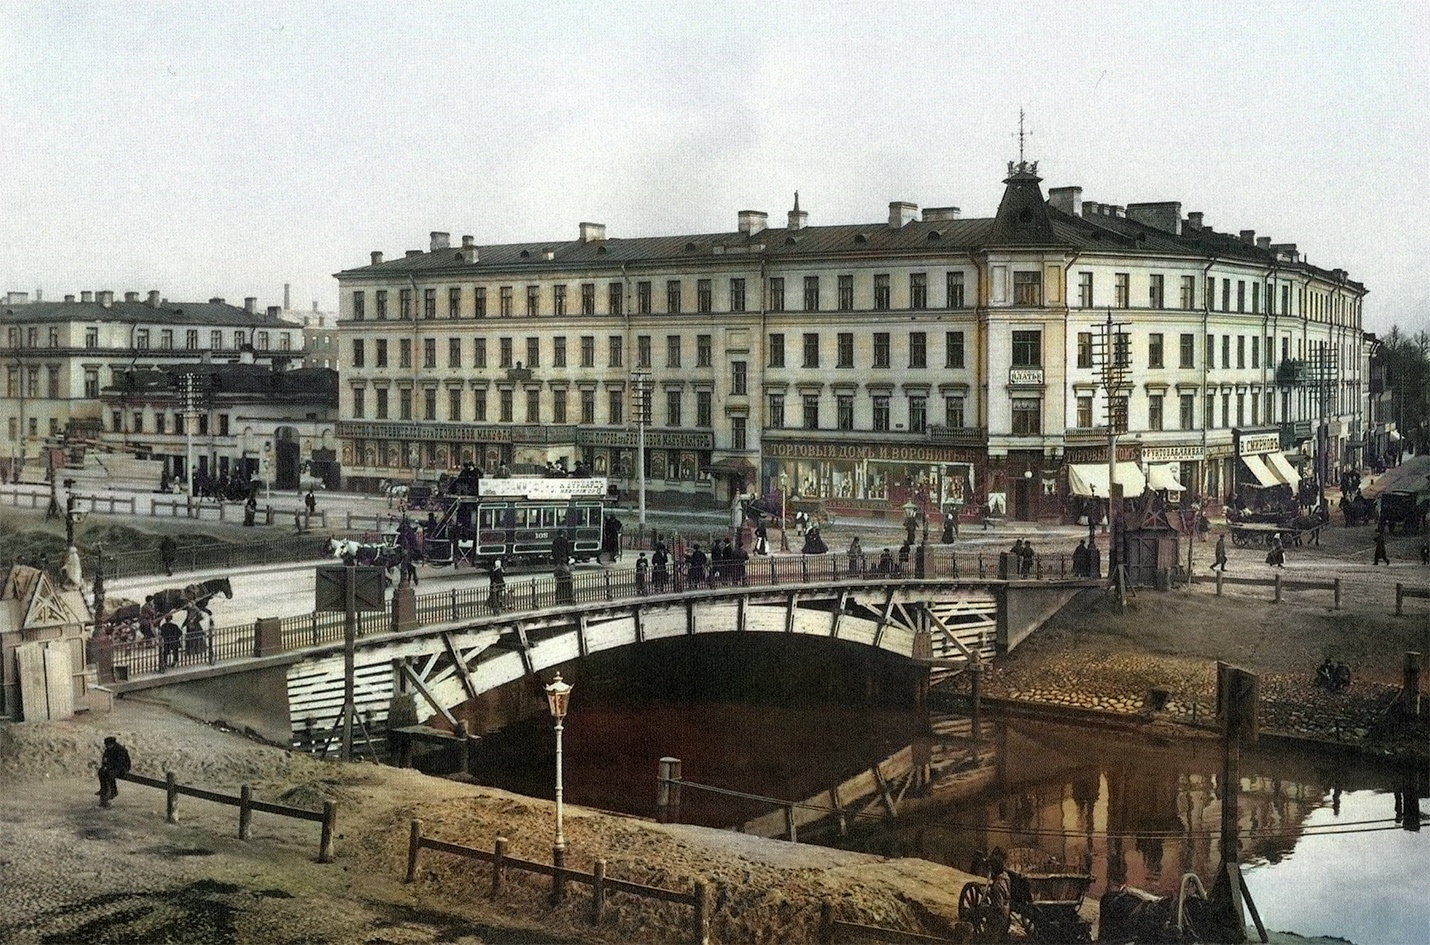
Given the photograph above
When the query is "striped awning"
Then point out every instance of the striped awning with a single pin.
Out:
(1163, 477)
(1090, 479)
(1283, 469)
(1258, 469)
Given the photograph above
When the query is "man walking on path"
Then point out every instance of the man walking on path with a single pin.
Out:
(112, 763)
(169, 637)
(1220, 563)
(1380, 554)
(168, 551)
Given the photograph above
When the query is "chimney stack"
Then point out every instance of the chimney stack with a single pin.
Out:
(1066, 199)
(797, 218)
(1194, 220)
(273, 310)
(250, 304)
(1286, 251)
(105, 298)
(413, 252)
(216, 300)
(940, 214)
(377, 257)
(441, 241)
(1248, 237)
(69, 298)
(1263, 242)
(901, 212)
(86, 296)
(592, 232)
(287, 298)
(753, 221)
(1091, 208)
(131, 296)
(153, 298)
(1164, 215)
(469, 249)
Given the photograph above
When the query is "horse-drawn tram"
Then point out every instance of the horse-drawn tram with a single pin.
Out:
(518, 519)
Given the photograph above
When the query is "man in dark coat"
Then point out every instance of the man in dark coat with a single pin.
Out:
(169, 638)
(1219, 564)
(695, 566)
(660, 567)
(112, 763)
(1380, 554)
(168, 551)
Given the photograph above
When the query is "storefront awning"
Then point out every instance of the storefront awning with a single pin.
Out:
(1283, 469)
(1090, 479)
(1258, 469)
(731, 466)
(1163, 476)
(1393, 436)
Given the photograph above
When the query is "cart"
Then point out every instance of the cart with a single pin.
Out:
(1252, 534)
(1045, 899)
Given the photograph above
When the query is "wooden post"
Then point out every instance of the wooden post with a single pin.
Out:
(1338, 594)
(598, 891)
(790, 827)
(245, 812)
(702, 913)
(464, 748)
(980, 565)
(1218, 582)
(414, 844)
(1410, 691)
(1399, 597)
(826, 922)
(1277, 584)
(667, 791)
(330, 819)
(171, 800)
(498, 862)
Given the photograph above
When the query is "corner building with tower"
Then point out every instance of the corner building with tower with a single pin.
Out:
(925, 357)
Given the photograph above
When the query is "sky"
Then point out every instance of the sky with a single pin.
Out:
(207, 149)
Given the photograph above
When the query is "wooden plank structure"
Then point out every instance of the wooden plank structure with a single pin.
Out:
(42, 629)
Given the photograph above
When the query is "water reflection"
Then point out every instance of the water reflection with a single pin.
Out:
(1119, 806)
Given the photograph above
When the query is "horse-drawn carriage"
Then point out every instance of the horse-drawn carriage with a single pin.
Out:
(1045, 899)
(1260, 529)
(133, 621)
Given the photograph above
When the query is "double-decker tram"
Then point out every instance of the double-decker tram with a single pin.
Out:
(518, 520)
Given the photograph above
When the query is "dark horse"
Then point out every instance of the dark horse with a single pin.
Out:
(177, 598)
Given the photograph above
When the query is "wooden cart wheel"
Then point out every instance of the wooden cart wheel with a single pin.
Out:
(1238, 539)
(971, 907)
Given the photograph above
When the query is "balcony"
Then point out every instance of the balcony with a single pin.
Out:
(957, 436)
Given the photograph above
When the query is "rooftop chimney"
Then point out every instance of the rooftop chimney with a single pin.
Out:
(287, 298)
(1066, 199)
(1248, 237)
(939, 214)
(1164, 215)
(1194, 220)
(16, 298)
(592, 232)
(377, 257)
(153, 298)
(131, 296)
(797, 218)
(250, 304)
(86, 296)
(469, 249)
(441, 241)
(1263, 242)
(753, 221)
(1286, 251)
(412, 252)
(1116, 210)
(1091, 208)
(105, 298)
(69, 298)
(901, 212)
(273, 310)
(216, 300)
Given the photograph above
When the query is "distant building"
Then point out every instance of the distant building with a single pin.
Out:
(320, 341)
(923, 356)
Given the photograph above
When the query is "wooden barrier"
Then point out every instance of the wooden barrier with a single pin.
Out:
(1277, 583)
(1402, 592)
(698, 898)
(830, 930)
(246, 806)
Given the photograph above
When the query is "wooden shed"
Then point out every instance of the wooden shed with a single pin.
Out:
(42, 647)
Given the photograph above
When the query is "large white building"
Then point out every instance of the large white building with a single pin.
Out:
(922, 355)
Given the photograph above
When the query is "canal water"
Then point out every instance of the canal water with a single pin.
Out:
(1321, 833)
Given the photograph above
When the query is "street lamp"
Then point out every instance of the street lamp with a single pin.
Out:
(784, 525)
(558, 695)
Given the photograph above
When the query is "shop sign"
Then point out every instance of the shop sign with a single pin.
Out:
(1261, 443)
(860, 452)
(654, 439)
(1126, 453)
(1172, 454)
(1030, 376)
(1219, 452)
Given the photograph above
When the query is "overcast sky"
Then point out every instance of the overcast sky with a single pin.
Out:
(212, 149)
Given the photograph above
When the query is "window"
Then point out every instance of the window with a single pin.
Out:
(1084, 289)
(643, 298)
(237, 339)
(1154, 350)
(588, 298)
(1189, 292)
(1256, 298)
(672, 408)
(1117, 407)
(215, 340)
(454, 302)
(429, 403)
(777, 411)
(160, 421)
(359, 305)
(616, 343)
(1154, 412)
(1027, 349)
(261, 342)
(811, 349)
(1121, 290)
(881, 413)
(953, 349)
(1226, 410)
(1084, 349)
(811, 293)
(359, 359)
(380, 352)
(505, 301)
(429, 352)
(505, 410)
(846, 293)
(737, 295)
(380, 297)
(672, 296)
(844, 411)
(738, 378)
(918, 349)
(479, 405)
(479, 302)
(615, 298)
(777, 350)
(811, 411)
(507, 358)
(1188, 354)
(1188, 407)
(454, 352)
(881, 349)
(91, 383)
(558, 300)
(1240, 408)
(1256, 351)
(1027, 288)
(166, 339)
(533, 352)
(1027, 416)
(702, 408)
(918, 414)
(558, 351)
(777, 294)
(454, 403)
(558, 405)
(702, 351)
(1156, 291)
(953, 412)
(1209, 412)
(703, 302)
(359, 402)
(91, 338)
(382, 393)
(588, 351)
(138, 423)
(643, 351)
(479, 352)
(1255, 407)
(955, 290)
(429, 303)
(404, 403)
(533, 301)
(1225, 351)
(588, 407)
(404, 304)
(1226, 295)
(846, 350)
(1084, 412)
(191, 339)
(1241, 295)
(533, 405)
(918, 290)
(881, 292)
(737, 433)
(1211, 352)
(1122, 349)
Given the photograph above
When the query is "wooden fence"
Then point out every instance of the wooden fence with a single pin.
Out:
(1276, 582)
(698, 898)
(246, 805)
(1402, 592)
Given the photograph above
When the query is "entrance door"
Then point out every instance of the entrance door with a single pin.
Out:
(285, 476)
(1023, 499)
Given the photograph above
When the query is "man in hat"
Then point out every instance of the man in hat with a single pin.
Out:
(112, 763)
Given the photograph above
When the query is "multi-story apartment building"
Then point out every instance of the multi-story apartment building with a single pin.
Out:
(925, 355)
(57, 357)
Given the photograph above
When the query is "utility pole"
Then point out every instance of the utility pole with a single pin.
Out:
(1112, 357)
(191, 417)
(640, 404)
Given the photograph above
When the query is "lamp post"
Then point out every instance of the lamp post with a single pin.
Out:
(784, 525)
(558, 695)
